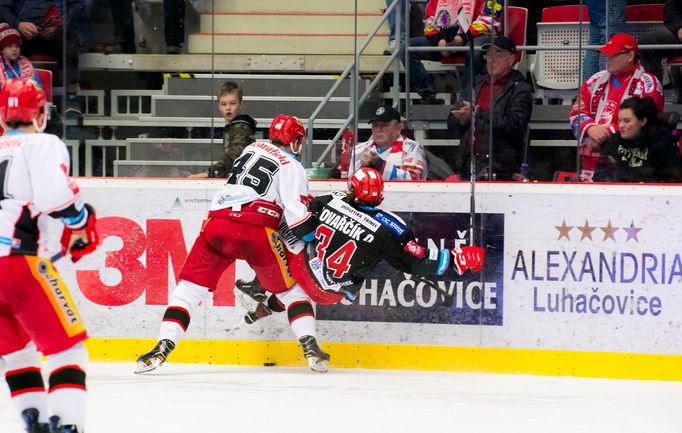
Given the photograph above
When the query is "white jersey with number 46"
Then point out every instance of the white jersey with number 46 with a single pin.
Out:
(34, 182)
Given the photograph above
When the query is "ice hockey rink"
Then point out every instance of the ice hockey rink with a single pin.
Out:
(182, 398)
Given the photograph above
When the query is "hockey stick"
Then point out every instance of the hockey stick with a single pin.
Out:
(448, 298)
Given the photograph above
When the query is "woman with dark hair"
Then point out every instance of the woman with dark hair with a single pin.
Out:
(642, 150)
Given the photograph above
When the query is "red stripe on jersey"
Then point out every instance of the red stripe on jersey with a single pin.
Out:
(67, 386)
(165, 319)
(175, 307)
(26, 391)
(62, 206)
(295, 318)
(298, 223)
(22, 370)
(64, 367)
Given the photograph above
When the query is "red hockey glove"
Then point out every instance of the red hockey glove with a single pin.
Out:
(82, 241)
(468, 258)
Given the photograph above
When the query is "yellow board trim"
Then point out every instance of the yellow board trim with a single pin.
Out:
(406, 357)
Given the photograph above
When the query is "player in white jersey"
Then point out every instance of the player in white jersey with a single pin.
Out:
(266, 184)
(37, 313)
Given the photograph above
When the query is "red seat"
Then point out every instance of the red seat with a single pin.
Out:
(565, 176)
(46, 79)
(651, 12)
(676, 61)
(517, 20)
(564, 14)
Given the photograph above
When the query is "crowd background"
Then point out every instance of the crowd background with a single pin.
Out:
(115, 66)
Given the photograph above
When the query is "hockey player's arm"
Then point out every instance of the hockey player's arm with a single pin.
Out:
(294, 195)
(57, 195)
(427, 262)
(417, 259)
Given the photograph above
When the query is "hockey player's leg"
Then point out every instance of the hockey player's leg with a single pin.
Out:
(25, 382)
(175, 322)
(67, 390)
(302, 320)
(264, 309)
(253, 289)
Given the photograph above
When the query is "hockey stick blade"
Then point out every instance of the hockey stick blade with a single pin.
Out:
(448, 298)
(56, 257)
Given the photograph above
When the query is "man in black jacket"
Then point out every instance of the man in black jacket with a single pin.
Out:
(671, 34)
(503, 105)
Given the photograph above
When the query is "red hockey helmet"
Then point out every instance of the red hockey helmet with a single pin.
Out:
(368, 186)
(288, 130)
(21, 101)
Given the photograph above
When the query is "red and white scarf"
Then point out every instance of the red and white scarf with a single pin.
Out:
(25, 69)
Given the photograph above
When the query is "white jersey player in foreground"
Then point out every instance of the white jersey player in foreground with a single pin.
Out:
(266, 184)
(36, 311)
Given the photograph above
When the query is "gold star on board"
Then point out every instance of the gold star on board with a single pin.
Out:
(609, 231)
(563, 230)
(586, 231)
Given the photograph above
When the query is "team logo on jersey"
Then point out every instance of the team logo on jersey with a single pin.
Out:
(59, 297)
(415, 249)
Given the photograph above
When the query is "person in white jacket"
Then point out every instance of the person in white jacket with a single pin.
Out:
(388, 151)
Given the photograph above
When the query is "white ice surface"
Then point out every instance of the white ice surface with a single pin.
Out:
(193, 398)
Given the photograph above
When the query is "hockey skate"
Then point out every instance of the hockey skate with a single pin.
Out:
(252, 289)
(57, 427)
(317, 359)
(30, 417)
(261, 311)
(155, 357)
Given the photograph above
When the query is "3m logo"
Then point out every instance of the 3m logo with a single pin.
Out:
(148, 264)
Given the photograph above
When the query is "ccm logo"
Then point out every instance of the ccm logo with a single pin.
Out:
(270, 212)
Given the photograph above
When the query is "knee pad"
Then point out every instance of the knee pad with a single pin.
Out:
(187, 294)
(26, 357)
(75, 355)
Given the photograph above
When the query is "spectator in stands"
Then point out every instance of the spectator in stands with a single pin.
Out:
(642, 150)
(389, 151)
(14, 65)
(174, 26)
(600, 32)
(392, 44)
(671, 34)
(42, 25)
(508, 116)
(594, 117)
(442, 30)
(239, 129)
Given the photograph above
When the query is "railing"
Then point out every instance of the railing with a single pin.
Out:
(355, 102)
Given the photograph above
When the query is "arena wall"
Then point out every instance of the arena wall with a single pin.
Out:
(581, 280)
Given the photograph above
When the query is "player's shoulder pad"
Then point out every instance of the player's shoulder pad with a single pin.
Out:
(317, 203)
(391, 221)
(47, 141)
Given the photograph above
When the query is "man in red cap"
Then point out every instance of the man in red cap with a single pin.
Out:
(594, 116)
